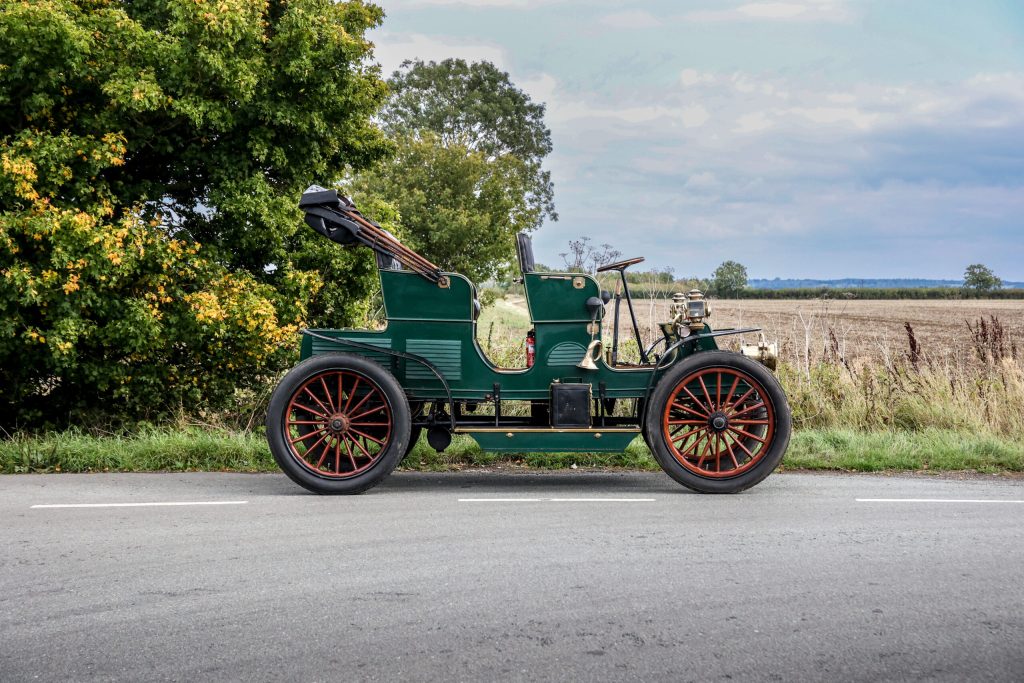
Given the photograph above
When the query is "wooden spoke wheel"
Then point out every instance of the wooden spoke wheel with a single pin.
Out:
(718, 422)
(338, 423)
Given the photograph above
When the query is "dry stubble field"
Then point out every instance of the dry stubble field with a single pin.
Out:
(859, 331)
(863, 330)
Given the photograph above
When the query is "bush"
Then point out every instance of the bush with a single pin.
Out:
(116, 317)
(151, 157)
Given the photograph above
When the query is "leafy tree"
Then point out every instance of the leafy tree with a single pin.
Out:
(468, 174)
(457, 208)
(980, 279)
(729, 279)
(152, 156)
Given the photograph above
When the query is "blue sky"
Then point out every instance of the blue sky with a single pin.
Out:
(802, 138)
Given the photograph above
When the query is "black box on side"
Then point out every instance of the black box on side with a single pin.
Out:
(570, 405)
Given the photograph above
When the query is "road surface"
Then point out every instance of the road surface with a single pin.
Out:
(482, 576)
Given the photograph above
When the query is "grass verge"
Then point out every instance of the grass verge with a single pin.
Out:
(194, 449)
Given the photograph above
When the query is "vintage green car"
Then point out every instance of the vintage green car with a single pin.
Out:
(344, 417)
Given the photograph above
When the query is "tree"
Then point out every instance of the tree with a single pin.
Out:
(152, 156)
(457, 208)
(468, 172)
(980, 279)
(729, 279)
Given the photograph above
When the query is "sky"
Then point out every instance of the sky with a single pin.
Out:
(802, 138)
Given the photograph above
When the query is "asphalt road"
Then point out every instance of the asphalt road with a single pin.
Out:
(793, 580)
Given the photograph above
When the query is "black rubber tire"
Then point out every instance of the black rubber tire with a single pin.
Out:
(414, 436)
(394, 450)
(773, 392)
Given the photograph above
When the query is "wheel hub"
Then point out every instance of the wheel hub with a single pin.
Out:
(718, 421)
(339, 424)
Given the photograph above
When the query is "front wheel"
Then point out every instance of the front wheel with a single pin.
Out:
(338, 423)
(718, 422)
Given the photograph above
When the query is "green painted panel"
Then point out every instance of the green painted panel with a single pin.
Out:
(444, 353)
(319, 346)
(552, 296)
(408, 296)
(553, 441)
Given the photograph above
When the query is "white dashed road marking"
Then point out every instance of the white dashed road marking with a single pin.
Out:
(932, 500)
(556, 500)
(141, 505)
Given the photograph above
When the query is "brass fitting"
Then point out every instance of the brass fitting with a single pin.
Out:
(764, 353)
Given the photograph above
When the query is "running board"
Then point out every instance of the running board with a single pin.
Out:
(552, 439)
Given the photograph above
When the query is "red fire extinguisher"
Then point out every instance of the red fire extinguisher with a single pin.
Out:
(531, 348)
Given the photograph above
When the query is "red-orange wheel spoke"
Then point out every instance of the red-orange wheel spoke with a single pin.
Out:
(363, 400)
(318, 401)
(361, 447)
(687, 434)
(707, 410)
(327, 393)
(687, 422)
(711, 404)
(742, 398)
(323, 456)
(352, 458)
(309, 410)
(704, 453)
(747, 434)
(741, 445)
(746, 410)
(367, 436)
(749, 422)
(351, 395)
(680, 406)
(732, 390)
(371, 411)
(692, 447)
(316, 443)
(306, 436)
(731, 453)
(306, 422)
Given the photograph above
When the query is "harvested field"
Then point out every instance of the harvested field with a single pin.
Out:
(855, 330)
(807, 330)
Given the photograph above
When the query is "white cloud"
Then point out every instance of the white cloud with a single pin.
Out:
(796, 10)
(694, 116)
(692, 77)
(752, 123)
(389, 4)
(837, 115)
(630, 19)
(394, 48)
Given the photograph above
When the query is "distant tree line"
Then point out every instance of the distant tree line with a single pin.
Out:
(879, 293)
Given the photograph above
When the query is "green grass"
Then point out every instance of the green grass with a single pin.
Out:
(192, 449)
(928, 449)
(154, 449)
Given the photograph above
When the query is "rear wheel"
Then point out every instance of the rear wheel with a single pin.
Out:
(718, 422)
(338, 423)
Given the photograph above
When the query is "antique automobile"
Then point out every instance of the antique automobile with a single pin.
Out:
(341, 420)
